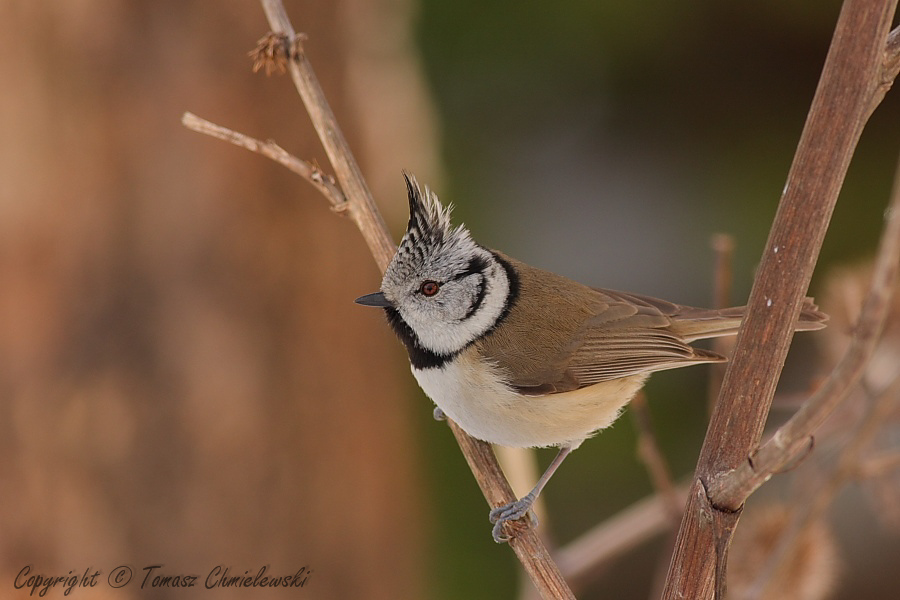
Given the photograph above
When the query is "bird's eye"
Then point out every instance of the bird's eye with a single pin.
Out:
(430, 288)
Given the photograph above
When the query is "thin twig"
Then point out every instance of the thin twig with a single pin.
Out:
(322, 182)
(723, 275)
(824, 494)
(892, 55)
(616, 536)
(723, 269)
(361, 206)
(792, 438)
(649, 453)
(890, 66)
(660, 475)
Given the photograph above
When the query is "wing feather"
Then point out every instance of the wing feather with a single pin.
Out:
(588, 336)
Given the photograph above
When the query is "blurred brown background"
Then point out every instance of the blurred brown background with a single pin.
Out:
(184, 379)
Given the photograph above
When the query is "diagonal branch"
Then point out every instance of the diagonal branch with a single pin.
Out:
(732, 488)
(310, 172)
(534, 555)
(851, 82)
(359, 205)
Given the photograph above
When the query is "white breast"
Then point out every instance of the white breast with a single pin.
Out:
(473, 394)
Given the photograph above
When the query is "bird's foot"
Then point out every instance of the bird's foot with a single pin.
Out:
(439, 414)
(511, 512)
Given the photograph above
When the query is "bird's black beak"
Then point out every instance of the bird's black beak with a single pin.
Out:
(377, 299)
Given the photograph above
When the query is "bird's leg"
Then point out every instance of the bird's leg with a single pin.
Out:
(439, 414)
(519, 508)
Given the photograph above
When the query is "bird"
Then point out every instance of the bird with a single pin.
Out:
(522, 357)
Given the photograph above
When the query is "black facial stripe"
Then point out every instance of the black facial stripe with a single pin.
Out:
(512, 296)
(419, 357)
(482, 292)
(478, 265)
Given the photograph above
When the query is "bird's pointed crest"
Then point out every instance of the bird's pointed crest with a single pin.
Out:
(429, 228)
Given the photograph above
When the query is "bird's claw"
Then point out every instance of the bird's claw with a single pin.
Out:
(511, 512)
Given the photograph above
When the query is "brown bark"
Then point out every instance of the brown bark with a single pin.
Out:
(849, 89)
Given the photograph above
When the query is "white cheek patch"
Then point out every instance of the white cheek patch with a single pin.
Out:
(448, 334)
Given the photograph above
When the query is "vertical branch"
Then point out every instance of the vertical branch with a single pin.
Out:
(843, 101)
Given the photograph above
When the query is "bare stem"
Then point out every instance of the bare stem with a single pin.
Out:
(732, 488)
(852, 79)
(821, 498)
(361, 206)
(324, 183)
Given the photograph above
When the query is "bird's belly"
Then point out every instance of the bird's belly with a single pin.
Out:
(476, 398)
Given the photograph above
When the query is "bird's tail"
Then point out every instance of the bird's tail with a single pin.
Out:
(701, 323)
